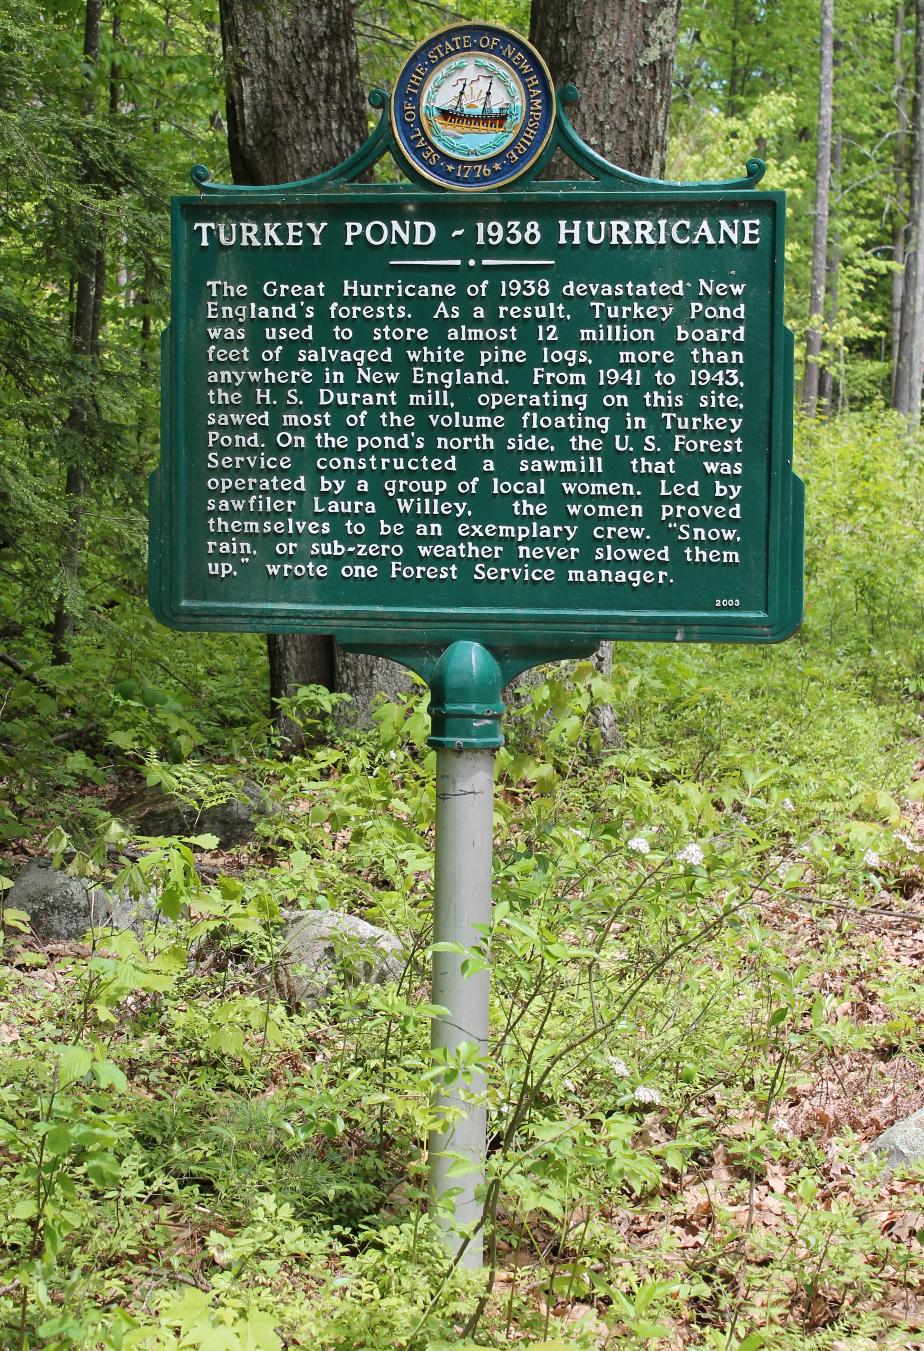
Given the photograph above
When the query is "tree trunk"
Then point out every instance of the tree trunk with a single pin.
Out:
(822, 193)
(295, 107)
(899, 171)
(731, 102)
(363, 676)
(91, 275)
(294, 660)
(620, 54)
(295, 103)
(910, 363)
(832, 292)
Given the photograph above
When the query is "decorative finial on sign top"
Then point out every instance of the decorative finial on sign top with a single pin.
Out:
(200, 175)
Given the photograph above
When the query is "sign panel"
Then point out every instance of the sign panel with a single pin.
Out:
(408, 414)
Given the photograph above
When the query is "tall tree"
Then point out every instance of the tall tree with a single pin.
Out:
(899, 180)
(88, 286)
(826, 384)
(813, 338)
(620, 55)
(295, 107)
(909, 367)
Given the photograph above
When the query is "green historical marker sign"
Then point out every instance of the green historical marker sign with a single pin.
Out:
(476, 421)
(532, 419)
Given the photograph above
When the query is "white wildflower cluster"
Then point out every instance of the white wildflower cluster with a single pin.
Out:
(782, 871)
(647, 1096)
(872, 859)
(618, 1066)
(691, 854)
(781, 1126)
(909, 843)
(788, 805)
(639, 845)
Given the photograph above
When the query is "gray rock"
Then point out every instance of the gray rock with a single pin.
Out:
(902, 1144)
(58, 906)
(151, 812)
(326, 947)
(62, 909)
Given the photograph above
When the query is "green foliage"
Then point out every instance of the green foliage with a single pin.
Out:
(746, 82)
(190, 1159)
(90, 156)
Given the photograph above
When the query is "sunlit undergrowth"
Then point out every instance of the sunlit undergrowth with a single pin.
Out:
(705, 976)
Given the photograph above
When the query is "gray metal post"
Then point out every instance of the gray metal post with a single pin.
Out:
(465, 712)
(462, 915)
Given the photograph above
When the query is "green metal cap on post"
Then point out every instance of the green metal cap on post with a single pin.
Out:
(466, 703)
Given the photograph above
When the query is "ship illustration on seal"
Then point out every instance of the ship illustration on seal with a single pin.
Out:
(473, 106)
(461, 116)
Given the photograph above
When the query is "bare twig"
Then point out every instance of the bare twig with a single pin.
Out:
(17, 666)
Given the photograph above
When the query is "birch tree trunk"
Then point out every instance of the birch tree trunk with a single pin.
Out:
(910, 364)
(820, 231)
(826, 381)
(899, 172)
(295, 107)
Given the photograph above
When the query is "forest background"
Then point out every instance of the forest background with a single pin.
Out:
(708, 922)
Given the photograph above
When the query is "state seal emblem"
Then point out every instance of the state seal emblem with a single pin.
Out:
(473, 107)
